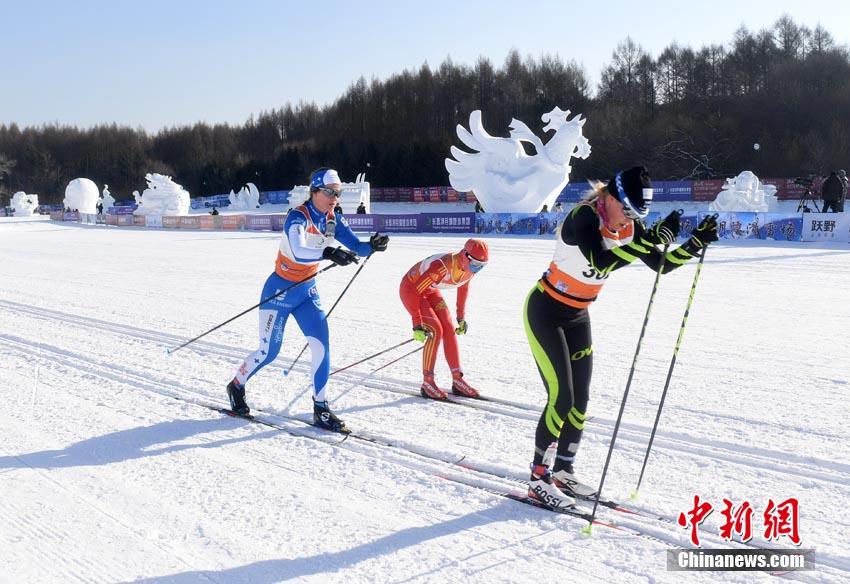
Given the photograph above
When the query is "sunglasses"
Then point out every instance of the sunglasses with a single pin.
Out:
(474, 265)
(331, 192)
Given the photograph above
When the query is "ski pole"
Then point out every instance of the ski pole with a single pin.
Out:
(246, 311)
(384, 366)
(344, 290)
(670, 371)
(371, 373)
(587, 530)
(371, 357)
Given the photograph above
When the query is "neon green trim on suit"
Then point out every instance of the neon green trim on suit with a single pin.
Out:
(576, 418)
(623, 254)
(553, 422)
(674, 259)
(637, 247)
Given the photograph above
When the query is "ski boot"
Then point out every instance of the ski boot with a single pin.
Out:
(566, 480)
(462, 388)
(542, 488)
(325, 419)
(236, 394)
(430, 390)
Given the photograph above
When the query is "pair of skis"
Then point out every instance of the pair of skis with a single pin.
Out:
(517, 495)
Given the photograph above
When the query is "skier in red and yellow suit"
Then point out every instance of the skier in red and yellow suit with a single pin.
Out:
(432, 322)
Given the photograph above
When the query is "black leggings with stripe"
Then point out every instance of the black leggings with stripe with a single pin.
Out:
(560, 341)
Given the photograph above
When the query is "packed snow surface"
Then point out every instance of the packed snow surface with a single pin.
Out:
(110, 473)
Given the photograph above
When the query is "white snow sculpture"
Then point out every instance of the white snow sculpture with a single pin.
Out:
(108, 200)
(24, 204)
(503, 177)
(353, 194)
(745, 193)
(162, 197)
(81, 195)
(245, 199)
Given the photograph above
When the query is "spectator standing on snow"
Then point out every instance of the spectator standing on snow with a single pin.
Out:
(832, 193)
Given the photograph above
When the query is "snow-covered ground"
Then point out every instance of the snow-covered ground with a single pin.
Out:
(108, 473)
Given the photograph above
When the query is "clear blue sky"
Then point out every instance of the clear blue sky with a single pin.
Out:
(154, 63)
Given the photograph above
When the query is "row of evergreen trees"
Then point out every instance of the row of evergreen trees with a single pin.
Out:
(687, 113)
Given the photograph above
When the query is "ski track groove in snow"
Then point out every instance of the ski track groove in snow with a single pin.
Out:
(378, 454)
(409, 460)
(433, 467)
(772, 461)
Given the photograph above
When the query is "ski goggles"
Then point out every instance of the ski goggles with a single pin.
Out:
(331, 192)
(475, 266)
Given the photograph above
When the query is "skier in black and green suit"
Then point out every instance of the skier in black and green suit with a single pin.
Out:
(601, 234)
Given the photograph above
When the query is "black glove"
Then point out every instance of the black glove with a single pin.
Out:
(706, 231)
(665, 231)
(379, 242)
(339, 256)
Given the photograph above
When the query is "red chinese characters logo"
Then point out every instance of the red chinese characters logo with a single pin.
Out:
(738, 521)
(694, 517)
(780, 519)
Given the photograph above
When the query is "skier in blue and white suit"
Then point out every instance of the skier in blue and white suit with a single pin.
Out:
(310, 234)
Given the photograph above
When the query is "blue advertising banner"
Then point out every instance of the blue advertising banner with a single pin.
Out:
(781, 226)
(210, 201)
(398, 223)
(363, 222)
(743, 225)
(276, 197)
(517, 223)
(677, 190)
(687, 223)
(123, 210)
(446, 222)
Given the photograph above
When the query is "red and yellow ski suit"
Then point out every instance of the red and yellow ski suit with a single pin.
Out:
(420, 292)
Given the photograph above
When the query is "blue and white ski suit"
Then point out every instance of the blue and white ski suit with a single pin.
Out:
(306, 233)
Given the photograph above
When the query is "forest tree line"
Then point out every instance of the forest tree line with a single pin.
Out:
(687, 113)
